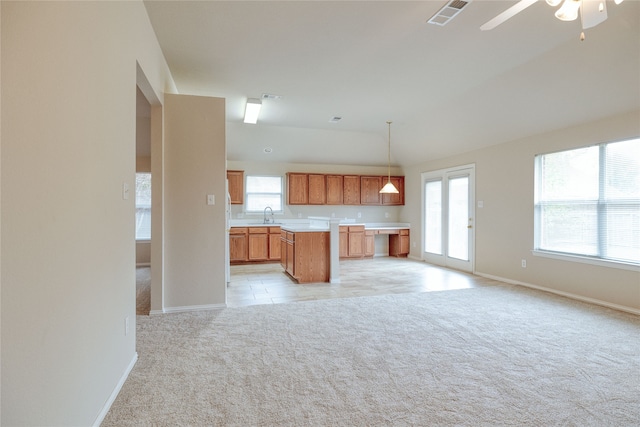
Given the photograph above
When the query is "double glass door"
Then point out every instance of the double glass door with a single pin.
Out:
(448, 217)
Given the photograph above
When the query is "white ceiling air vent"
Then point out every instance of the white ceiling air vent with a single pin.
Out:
(335, 119)
(448, 12)
(271, 96)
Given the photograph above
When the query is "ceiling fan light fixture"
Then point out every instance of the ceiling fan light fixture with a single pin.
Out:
(569, 10)
(389, 188)
(252, 110)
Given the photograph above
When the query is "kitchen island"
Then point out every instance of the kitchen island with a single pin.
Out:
(305, 253)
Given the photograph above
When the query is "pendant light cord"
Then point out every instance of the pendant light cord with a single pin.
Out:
(389, 155)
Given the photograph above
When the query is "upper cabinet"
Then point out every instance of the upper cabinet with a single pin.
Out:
(370, 190)
(297, 188)
(334, 189)
(351, 190)
(317, 189)
(236, 186)
(322, 189)
(391, 199)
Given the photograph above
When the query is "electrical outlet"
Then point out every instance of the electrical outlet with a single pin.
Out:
(211, 199)
(524, 263)
(386, 214)
(359, 214)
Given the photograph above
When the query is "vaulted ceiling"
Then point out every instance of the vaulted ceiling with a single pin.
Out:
(447, 89)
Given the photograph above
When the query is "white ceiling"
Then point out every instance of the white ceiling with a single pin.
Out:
(447, 89)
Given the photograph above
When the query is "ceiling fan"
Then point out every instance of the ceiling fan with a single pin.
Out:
(592, 12)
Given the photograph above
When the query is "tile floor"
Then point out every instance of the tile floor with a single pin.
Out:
(268, 284)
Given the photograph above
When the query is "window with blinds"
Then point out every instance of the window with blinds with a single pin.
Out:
(263, 191)
(587, 202)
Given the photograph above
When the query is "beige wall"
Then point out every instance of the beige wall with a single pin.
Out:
(368, 213)
(504, 226)
(194, 232)
(68, 252)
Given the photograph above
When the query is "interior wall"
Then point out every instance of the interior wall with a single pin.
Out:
(367, 213)
(194, 232)
(68, 261)
(504, 226)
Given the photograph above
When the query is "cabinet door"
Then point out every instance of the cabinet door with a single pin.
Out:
(399, 244)
(290, 258)
(236, 186)
(317, 189)
(369, 243)
(370, 190)
(298, 189)
(344, 242)
(283, 249)
(238, 246)
(351, 187)
(356, 243)
(394, 199)
(334, 189)
(274, 246)
(258, 247)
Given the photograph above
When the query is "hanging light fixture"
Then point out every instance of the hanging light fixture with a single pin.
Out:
(389, 188)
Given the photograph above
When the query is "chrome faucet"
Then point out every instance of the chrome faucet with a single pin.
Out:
(268, 220)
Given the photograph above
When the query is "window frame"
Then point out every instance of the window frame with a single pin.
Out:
(601, 203)
(247, 194)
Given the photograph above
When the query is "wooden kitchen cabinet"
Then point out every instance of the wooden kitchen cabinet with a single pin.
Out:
(307, 258)
(297, 188)
(274, 244)
(394, 199)
(335, 188)
(370, 190)
(258, 243)
(238, 244)
(399, 244)
(369, 243)
(351, 189)
(317, 189)
(236, 186)
(351, 241)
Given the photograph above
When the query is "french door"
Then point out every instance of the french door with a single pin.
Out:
(448, 217)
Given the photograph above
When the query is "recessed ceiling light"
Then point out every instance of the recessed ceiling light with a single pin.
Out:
(268, 150)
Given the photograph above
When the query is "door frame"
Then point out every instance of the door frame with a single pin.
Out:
(444, 175)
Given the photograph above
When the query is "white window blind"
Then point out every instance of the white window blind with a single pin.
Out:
(143, 206)
(263, 191)
(588, 202)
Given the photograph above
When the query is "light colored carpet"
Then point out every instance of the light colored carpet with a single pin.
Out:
(143, 290)
(499, 355)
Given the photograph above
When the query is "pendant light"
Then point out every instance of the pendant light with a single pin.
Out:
(389, 188)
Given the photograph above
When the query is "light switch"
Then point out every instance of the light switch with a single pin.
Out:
(211, 199)
(480, 204)
(125, 191)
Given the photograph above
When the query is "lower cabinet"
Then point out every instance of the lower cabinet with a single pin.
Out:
(238, 244)
(369, 243)
(305, 256)
(399, 244)
(254, 244)
(352, 241)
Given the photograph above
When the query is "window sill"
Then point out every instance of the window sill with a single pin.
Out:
(143, 240)
(586, 260)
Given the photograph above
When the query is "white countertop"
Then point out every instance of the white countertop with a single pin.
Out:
(302, 225)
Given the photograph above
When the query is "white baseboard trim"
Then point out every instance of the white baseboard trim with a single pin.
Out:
(562, 293)
(415, 258)
(188, 308)
(114, 393)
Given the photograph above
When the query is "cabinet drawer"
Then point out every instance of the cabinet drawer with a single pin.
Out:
(356, 228)
(238, 230)
(274, 230)
(258, 230)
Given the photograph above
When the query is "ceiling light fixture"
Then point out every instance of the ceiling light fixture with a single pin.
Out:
(252, 110)
(389, 188)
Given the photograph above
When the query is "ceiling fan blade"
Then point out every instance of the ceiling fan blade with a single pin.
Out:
(512, 11)
(593, 12)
